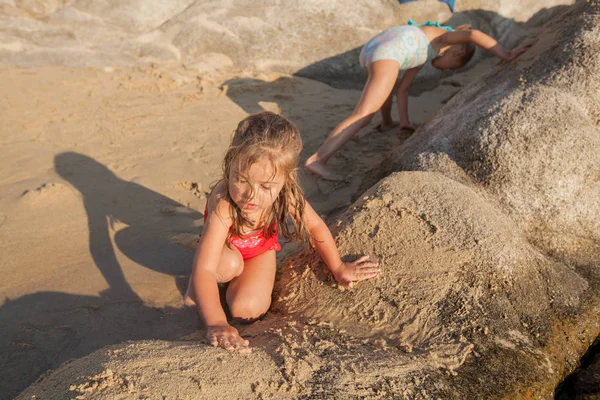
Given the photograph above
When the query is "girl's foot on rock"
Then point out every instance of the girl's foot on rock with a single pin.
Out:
(387, 126)
(317, 168)
(408, 128)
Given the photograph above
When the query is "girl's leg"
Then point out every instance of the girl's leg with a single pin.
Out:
(249, 295)
(381, 81)
(231, 265)
(387, 122)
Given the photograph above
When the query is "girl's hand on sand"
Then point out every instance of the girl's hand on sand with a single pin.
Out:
(359, 270)
(227, 337)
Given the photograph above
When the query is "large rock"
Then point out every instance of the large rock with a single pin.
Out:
(528, 135)
(316, 39)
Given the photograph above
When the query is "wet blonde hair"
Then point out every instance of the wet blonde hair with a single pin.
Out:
(469, 48)
(266, 135)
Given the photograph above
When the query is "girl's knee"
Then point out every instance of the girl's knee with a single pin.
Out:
(365, 115)
(229, 268)
(248, 310)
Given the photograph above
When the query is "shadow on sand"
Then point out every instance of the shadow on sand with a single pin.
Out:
(42, 330)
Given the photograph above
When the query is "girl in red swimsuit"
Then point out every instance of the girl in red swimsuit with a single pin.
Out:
(248, 208)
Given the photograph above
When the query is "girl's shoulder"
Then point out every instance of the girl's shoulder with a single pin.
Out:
(216, 204)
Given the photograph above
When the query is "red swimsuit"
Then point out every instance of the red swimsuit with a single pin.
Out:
(254, 243)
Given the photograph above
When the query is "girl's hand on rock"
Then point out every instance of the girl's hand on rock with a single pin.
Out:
(515, 53)
(356, 271)
(527, 43)
(227, 337)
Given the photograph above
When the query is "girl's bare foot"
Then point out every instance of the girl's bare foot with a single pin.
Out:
(317, 168)
(408, 128)
(384, 127)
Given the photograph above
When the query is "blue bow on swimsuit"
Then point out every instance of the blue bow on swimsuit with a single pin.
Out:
(429, 23)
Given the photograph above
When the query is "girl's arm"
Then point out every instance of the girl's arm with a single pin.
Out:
(204, 279)
(402, 95)
(345, 273)
(480, 39)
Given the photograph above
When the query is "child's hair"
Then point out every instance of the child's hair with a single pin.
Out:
(271, 136)
(469, 48)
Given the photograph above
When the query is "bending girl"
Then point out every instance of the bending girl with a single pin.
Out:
(402, 49)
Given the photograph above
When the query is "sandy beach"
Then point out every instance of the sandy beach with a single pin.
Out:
(103, 183)
(130, 155)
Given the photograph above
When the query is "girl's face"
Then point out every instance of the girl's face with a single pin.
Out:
(450, 59)
(255, 189)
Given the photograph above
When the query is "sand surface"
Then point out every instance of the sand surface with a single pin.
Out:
(103, 183)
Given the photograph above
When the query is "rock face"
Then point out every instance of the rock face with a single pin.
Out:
(317, 39)
(583, 383)
(527, 135)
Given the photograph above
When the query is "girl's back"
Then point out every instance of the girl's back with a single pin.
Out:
(409, 45)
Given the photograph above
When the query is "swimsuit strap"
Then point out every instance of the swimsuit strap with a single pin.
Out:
(429, 23)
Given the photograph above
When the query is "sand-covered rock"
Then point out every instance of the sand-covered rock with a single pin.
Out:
(527, 135)
(453, 264)
(488, 240)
